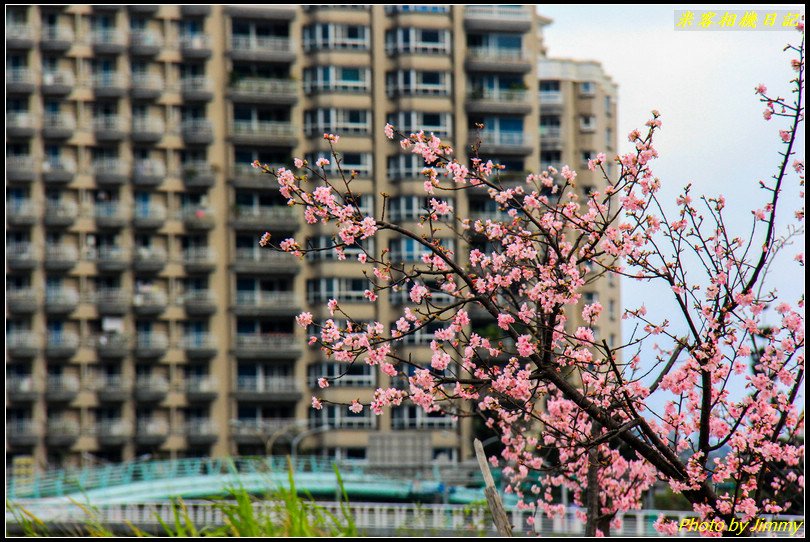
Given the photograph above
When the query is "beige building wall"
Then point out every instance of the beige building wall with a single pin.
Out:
(142, 318)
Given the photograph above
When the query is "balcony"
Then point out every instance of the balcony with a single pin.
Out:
(501, 142)
(109, 128)
(152, 432)
(258, 260)
(200, 432)
(110, 85)
(199, 260)
(22, 301)
(261, 48)
(62, 433)
(196, 89)
(20, 168)
(551, 137)
(113, 389)
(247, 176)
(264, 133)
(492, 18)
(549, 98)
(108, 41)
(109, 214)
(149, 217)
(258, 430)
(150, 303)
(250, 303)
(19, 36)
(61, 213)
(197, 132)
(112, 346)
(260, 90)
(145, 43)
(262, 218)
(199, 346)
(22, 344)
(197, 218)
(199, 302)
(19, 124)
(266, 346)
(113, 432)
(22, 432)
(62, 345)
(61, 301)
(497, 59)
(151, 389)
(21, 256)
(148, 173)
(110, 172)
(147, 86)
(195, 46)
(19, 81)
(147, 130)
(151, 346)
(198, 174)
(273, 389)
(200, 388)
(21, 213)
(61, 257)
(423, 422)
(112, 301)
(21, 388)
(62, 388)
(58, 170)
(58, 126)
(498, 100)
(60, 82)
(57, 38)
(149, 259)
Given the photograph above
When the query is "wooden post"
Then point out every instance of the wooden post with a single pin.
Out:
(493, 498)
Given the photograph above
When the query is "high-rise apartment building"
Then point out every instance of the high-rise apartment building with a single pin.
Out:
(142, 317)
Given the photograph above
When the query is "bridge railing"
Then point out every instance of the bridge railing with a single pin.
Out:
(375, 518)
(62, 482)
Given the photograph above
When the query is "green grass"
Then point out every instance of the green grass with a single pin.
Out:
(285, 514)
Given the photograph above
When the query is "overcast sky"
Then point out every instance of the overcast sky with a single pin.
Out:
(703, 83)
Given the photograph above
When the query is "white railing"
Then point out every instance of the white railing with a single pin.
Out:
(63, 121)
(265, 86)
(195, 41)
(260, 43)
(58, 77)
(263, 342)
(263, 128)
(148, 124)
(107, 37)
(550, 97)
(507, 139)
(19, 75)
(499, 94)
(147, 81)
(498, 54)
(265, 299)
(268, 384)
(57, 33)
(196, 83)
(109, 79)
(148, 38)
(501, 13)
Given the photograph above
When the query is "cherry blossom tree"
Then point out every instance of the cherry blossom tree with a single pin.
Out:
(572, 410)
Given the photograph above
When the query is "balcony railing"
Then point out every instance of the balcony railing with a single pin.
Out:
(196, 88)
(58, 125)
(265, 88)
(147, 129)
(56, 37)
(265, 344)
(147, 85)
(22, 344)
(149, 259)
(21, 256)
(61, 345)
(258, 259)
(22, 301)
(199, 345)
(263, 129)
(198, 174)
(61, 257)
(151, 345)
(199, 388)
(490, 12)
(271, 384)
(58, 82)
(112, 345)
(58, 170)
(113, 431)
(497, 94)
(62, 300)
(112, 300)
(62, 432)
(264, 216)
(496, 54)
(152, 431)
(261, 428)
(62, 387)
(151, 388)
(550, 97)
(19, 80)
(260, 43)
(199, 259)
(196, 217)
(22, 388)
(148, 172)
(109, 127)
(200, 429)
(199, 302)
(277, 300)
(197, 131)
(21, 212)
(517, 140)
(109, 214)
(22, 432)
(20, 168)
(18, 35)
(151, 216)
(445, 422)
(146, 42)
(19, 124)
(150, 302)
(108, 37)
(109, 84)
(112, 388)
(110, 171)
(196, 45)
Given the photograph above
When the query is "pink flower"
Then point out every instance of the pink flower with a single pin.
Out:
(323, 383)
(356, 407)
(298, 163)
(304, 319)
(761, 89)
(389, 131)
(316, 403)
(524, 346)
(785, 135)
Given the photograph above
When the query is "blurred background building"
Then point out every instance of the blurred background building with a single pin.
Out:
(142, 317)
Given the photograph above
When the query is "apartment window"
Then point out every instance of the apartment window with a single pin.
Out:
(336, 78)
(335, 36)
(587, 123)
(356, 374)
(417, 40)
(418, 82)
(322, 248)
(411, 207)
(351, 161)
(410, 250)
(405, 166)
(415, 417)
(343, 289)
(340, 417)
(340, 121)
(609, 138)
(608, 106)
(587, 156)
(439, 124)
(587, 88)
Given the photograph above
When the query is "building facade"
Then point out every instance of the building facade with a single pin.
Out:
(142, 317)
